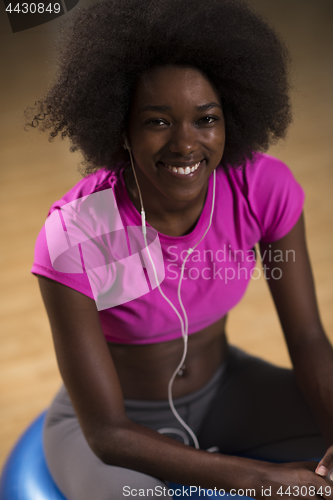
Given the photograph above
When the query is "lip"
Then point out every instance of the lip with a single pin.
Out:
(183, 165)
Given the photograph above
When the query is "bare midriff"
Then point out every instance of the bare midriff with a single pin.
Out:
(145, 370)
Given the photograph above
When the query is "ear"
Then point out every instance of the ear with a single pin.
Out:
(126, 143)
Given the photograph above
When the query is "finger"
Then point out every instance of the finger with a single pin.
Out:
(321, 469)
(326, 464)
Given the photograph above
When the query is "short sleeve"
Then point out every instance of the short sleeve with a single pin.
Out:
(275, 197)
(77, 278)
(42, 265)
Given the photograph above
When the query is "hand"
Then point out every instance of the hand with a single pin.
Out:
(325, 466)
(296, 480)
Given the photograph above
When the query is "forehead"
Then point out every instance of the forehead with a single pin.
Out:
(174, 86)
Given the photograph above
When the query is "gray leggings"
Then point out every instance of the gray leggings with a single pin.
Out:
(249, 408)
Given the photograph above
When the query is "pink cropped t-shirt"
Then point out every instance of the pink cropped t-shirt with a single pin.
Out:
(261, 202)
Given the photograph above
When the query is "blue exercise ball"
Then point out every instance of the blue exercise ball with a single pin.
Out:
(25, 475)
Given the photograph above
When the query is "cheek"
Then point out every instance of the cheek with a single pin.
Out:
(216, 135)
(144, 152)
(146, 146)
(221, 132)
(217, 141)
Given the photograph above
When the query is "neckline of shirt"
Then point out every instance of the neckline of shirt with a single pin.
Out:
(124, 202)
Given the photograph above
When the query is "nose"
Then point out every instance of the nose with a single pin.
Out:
(183, 139)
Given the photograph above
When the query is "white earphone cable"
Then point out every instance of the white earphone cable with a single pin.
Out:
(183, 323)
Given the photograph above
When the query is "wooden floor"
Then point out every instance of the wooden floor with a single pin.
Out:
(34, 173)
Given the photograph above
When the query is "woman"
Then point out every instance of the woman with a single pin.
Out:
(171, 103)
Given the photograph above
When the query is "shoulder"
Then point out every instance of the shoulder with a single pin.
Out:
(267, 170)
(268, 176)
(98, 181)
(87, 211)
(273, 196)
(261, 170)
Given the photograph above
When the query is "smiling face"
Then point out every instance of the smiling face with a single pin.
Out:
(176, 132)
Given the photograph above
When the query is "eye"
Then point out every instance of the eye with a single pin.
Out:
(157, 122)
(207, 120)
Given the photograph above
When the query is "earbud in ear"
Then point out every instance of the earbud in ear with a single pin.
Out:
(126, 144)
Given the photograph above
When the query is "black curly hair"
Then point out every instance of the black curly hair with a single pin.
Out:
(112, 42)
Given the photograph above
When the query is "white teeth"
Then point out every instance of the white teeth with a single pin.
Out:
(180, 170)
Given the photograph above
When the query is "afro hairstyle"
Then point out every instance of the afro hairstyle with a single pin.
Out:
(111, 43)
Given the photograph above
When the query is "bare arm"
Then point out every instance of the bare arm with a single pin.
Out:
(310, 350)
(89, 374)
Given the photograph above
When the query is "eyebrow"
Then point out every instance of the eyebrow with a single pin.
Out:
(203, 107)
(210, 105)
